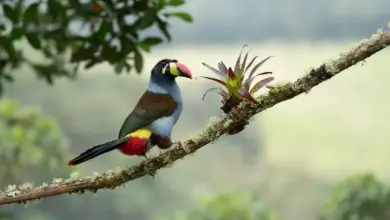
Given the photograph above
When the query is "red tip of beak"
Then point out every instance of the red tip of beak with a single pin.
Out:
(184, 69)
(70, 163)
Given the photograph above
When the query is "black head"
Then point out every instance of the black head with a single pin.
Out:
(170, 69)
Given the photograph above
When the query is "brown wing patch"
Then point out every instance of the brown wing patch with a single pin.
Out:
(149, 108)
(159, 103)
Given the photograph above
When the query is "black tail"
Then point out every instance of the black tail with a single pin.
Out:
(97, 150)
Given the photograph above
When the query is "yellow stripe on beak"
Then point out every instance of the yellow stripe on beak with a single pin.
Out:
(164, 70)
(173, 69)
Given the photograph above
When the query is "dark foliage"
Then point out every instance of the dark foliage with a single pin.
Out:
(74, 32)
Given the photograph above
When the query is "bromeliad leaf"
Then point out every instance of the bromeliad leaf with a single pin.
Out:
(249, 81)
(214, 79)
(224, 94)
(222, 67)
(231, 74)
(208, 91)
(237, 68)
(244, 62)
(250, 63)
(245, 94)
(261, 84)
(219, 73)
(257, 66)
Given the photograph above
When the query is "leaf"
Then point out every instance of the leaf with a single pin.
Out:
(182, 15)
(33, 39)
(45, 70)
(82, 53)
(257, 66)
(119, 66)
(138, 61)
(17, 33)
(222, 67)
(152, 40)
(163, 26)
(261, 84)
(127, 66)
(214, 79)
(149, 41)
(246, 95)
(90, 63)
(105, 27)
(231, 74)
(54, 8)
(244, 62)
(144, 47)
(31, 13)
(224, 94)
(237, 69)
(140, 6)
(175, 2)
(250, 63)
(219, 73)
(2, 27)
(10, 13)
(9, 47)
(208, 91)
(128, 45)
(147, 19)
(110, 53)
(250, 80)
(19, 6)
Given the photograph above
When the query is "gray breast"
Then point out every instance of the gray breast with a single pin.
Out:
(164, 125)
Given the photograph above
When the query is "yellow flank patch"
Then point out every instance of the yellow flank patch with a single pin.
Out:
(173, 69)
(141, 133)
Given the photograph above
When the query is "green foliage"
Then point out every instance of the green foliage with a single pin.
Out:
(30, 143)
(110, 32)
(226, 206)
(361, 197)
(5, 216)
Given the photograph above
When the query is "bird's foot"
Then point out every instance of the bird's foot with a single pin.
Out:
(152, 175)
(145, 155)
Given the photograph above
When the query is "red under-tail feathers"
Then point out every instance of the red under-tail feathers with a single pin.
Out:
(133, 144)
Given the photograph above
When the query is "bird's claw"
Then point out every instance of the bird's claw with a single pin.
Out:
(144, 155)
(152, 175)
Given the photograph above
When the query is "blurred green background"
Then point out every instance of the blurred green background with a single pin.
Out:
(292, 162)
(292, 154)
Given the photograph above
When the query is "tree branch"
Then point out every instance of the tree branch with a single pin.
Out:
(276, 94)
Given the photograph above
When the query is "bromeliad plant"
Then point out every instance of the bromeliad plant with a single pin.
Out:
(238, 84)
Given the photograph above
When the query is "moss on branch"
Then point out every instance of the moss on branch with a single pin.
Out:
(215, 129)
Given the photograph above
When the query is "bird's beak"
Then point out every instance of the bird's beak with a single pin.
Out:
(182, 70)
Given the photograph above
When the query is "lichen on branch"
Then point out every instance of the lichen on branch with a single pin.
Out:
(214, 130)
